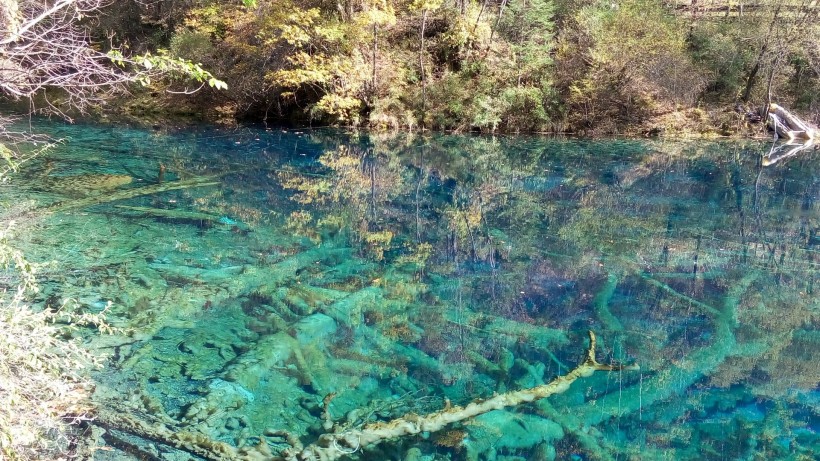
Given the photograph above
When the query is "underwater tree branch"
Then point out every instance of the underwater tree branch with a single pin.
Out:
(707, 309)
(335, 446)
(129, 193)
(677, 376)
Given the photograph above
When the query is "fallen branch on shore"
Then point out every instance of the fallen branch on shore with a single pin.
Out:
(800, 135)
(789, 126)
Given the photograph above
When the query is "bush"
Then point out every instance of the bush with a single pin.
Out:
(43, 388)
(191, 45)
(448, 103)
(525, 108)
(628, 71)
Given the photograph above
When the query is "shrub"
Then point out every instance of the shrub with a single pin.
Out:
(525, 108)
(191, 45)
(628, 71)
(43, 388)
(448, 103)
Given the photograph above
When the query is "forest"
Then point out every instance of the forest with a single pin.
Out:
(634, 67)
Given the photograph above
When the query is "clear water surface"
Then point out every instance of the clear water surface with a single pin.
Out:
(396, 274)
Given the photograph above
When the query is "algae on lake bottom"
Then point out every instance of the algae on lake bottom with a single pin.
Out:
(375, 278)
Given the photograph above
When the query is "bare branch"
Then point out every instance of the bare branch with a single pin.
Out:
(22, 29)
(44, 45)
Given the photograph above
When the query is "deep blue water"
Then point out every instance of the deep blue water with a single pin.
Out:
(399, 272)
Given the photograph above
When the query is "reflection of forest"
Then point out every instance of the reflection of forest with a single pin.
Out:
(690, 259)
(397, 274)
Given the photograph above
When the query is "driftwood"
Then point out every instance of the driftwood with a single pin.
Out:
(799, 135)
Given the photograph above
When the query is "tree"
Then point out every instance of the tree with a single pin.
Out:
(46, 51)
(759, 54)
(528, 28)
(618, 70)
(425, 7)
(46, 46)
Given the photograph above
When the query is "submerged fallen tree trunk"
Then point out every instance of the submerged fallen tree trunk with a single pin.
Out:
(125, 194)
(333, 446)
(184, 215)
(330, 447)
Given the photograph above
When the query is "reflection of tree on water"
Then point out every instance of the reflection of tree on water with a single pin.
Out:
(402, 278)
(678, 281)
(787, 150)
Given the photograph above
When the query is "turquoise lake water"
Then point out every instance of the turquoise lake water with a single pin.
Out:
(397, 274)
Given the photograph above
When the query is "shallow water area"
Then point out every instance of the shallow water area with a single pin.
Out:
(264, 281)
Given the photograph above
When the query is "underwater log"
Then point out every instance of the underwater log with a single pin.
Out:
(677, 377)
(250, 280)
(510, 331)
(183, 215)
(232, 389)
(128, 193)
(334, 446)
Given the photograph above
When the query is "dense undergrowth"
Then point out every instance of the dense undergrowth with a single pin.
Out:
(636, 67)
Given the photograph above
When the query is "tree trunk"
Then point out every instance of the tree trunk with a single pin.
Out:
(750, 80)
(478, 18)
(373, 74)
(421, 69)
(788, 125)
(497, 22)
